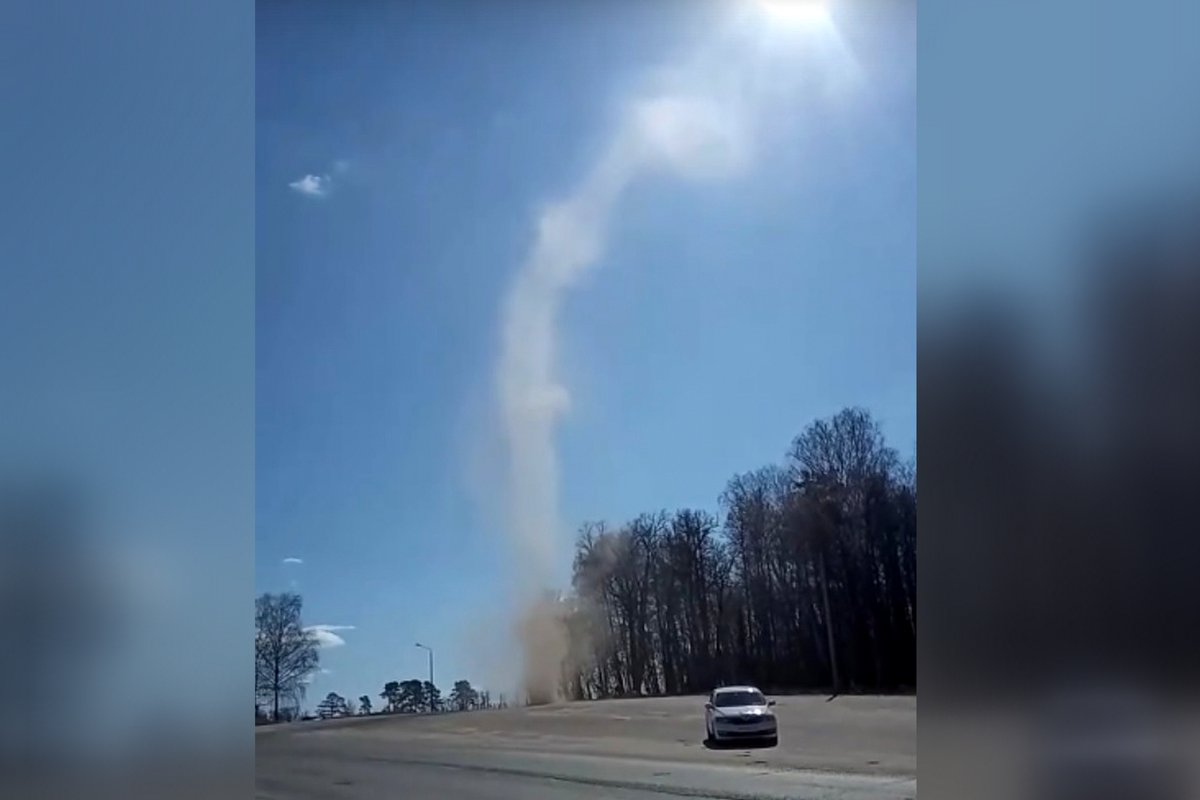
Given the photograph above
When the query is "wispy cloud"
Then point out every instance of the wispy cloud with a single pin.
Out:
(321, 184)
(326, 635)
(312, 185)
(293, 560)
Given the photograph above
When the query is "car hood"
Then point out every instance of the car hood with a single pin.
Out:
(737, 711)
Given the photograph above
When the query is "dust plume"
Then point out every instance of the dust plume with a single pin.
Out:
(687, 124)
(688, 135)
(570, 240)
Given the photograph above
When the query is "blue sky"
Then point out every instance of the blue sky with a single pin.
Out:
(722, 316)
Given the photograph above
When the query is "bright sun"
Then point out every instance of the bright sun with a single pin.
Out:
(795, 12)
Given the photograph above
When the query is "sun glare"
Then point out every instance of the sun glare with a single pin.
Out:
(795, 12)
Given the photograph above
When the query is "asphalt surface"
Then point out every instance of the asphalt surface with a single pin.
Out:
(851, 748)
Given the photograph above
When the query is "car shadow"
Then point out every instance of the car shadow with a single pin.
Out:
(739, 744)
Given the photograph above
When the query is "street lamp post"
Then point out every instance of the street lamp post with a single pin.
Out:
(431, 684)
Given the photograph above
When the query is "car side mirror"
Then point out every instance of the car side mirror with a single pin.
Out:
(770, 702)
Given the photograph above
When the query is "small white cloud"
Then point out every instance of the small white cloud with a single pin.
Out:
(320, 185)
(312, 185)
(293, 560)
(326, 635)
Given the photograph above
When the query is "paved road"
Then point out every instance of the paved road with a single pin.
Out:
(851, 749)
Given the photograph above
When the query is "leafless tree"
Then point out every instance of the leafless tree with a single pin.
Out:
(285, 654)
(807, 582)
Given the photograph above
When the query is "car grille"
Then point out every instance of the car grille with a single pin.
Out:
(744, 720)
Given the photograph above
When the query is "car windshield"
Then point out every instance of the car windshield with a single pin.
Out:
(727, 699)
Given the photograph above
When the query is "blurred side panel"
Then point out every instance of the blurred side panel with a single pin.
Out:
(126, 398)
(1059, 400)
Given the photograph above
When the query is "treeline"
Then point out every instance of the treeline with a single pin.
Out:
(287, 655)
(414, 696)
(806, 580)
(410, 697)
(399, 697)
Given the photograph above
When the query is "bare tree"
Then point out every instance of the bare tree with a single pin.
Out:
(848, 474)
(808, 581)
(285, 654)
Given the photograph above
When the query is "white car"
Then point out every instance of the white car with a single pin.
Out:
(740, 712)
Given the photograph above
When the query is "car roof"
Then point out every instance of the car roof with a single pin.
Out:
(724, 689)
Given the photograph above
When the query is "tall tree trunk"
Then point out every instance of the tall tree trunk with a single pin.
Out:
(833, 665)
